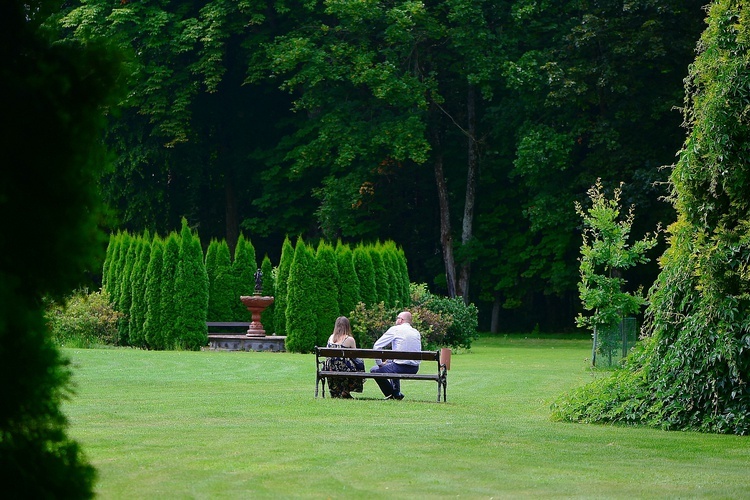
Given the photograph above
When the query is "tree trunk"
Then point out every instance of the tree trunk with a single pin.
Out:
(230, 211)
(471, 188)
(495, 322)
(446, 240)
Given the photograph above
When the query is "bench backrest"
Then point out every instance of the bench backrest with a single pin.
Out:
(338, 352)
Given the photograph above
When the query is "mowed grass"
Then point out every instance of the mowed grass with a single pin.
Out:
(247, 425)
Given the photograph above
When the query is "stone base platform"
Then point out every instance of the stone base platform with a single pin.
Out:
(241, 342)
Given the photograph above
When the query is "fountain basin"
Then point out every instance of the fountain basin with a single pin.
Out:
(256, 304)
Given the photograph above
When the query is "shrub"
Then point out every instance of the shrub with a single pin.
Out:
(443, 322)
(85, 320)
(462, 318)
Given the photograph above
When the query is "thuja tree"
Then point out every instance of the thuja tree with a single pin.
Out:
(191, 292)
(210, 264)
(53, 95)
(366, 275)
(125, 294)
(168, 332)
(391, 268)
(381, 275)
(152, 322)
(605, 254)
(223, 294)
(138, 304)
(348, 280)
(693, 368)
(285, 264)
(267, 289)
(301, 318)
(326, 300)
(243, 267)
(108, 258)
(405, 281)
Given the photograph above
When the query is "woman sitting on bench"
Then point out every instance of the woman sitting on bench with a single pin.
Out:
(342, 337)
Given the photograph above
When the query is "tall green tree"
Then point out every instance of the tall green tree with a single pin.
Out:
(282, 280)
(244, 267)
(348, 280)
(301, 313)
(593, 90)
(391, 86)
(192, 138)
(52, 97)
(152, 332)
(692, 369)
(223, 291)
(366, 275)
(267, 290)
(606, 254)
(328, 284)
(139, 305)
(169, 306)
(125, 294)
(191, 292)
(382, 291)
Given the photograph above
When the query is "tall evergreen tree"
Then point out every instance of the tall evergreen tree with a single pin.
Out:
(266, 317)
(139, 306)
(301, 313)
(169, 308)
(405, 281)
(327, 284)
(348, 280)
(222, 294)
(152, 323)
(109, 278)
(210, 263)
(244, 267)
(366, 275)
(118, 270)
(693, 368)
(381, 275)
(393, 281)
(108, 259)
(52, 99)
(126, 291)
(191, 292)
(282, 278)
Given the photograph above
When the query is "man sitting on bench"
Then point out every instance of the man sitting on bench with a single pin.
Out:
(400, 337)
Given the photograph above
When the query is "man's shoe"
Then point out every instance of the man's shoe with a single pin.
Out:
(398, 396)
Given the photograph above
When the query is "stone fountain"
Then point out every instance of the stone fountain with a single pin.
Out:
(256, 304)
(255, 339)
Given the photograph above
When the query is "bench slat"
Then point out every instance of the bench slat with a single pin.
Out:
(413, 376)
(335, 352)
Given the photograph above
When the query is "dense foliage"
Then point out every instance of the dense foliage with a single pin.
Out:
(442, 321)
(606, 254)
(462, 129)
(83, 320)
(692, 370)
(52, 97)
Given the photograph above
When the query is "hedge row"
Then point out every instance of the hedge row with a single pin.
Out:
(161, 288)
(166, 289)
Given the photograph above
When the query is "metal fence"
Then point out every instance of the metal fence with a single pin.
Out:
(612, 343)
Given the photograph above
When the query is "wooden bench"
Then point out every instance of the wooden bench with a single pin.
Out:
(321, 353)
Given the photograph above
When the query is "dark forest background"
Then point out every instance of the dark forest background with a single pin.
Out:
(464, 130)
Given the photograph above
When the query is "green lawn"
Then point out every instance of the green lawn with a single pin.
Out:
(247, 425)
